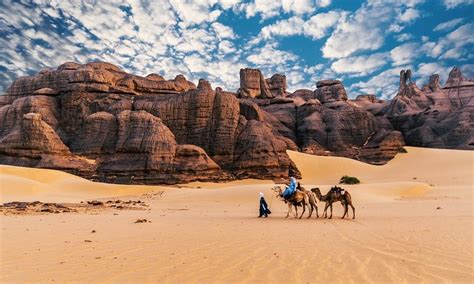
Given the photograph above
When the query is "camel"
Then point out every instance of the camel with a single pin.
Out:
(336, 194)
(299, 198)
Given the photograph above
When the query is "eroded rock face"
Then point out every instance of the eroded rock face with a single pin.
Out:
(330, 91)
(99, 122)
(107, 125)
(436, 117)
(305, 94)
(253, 84)
(94, 77)
(370, 98)
(347, 130)
(277, 85)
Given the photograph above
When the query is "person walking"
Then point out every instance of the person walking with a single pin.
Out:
(264, 211)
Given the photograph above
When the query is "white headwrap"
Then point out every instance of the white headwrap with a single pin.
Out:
(261, 194)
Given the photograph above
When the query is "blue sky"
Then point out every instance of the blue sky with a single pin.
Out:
(363, 43)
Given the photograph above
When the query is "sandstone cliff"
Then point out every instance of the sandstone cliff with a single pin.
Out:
(97, 121)
(117, 127)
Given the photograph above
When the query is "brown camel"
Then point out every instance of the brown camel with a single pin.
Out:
(336, 194)
(312, 199)
(299, 198)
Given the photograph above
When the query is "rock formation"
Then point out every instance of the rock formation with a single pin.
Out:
(253, 84)
(99, 122)
(277, 85)
(117, 127)
(330, 91)
(436, 117)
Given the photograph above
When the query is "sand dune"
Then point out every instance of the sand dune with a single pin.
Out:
(26, 184)
(414, 224)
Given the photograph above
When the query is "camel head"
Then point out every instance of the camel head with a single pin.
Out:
(317, 191)
(277, 189)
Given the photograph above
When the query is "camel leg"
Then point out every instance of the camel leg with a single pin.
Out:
(304, 209)
(346, 209)
(296, 211)
(289, 211)
(325, 213)
(353, 212)
(330, 205)
(310, 210)
(317, 214)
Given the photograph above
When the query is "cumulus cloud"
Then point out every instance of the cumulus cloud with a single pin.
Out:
(454, 45)
(449, 25)
(360, 65)
(405, 53)
(409, 15)
(425, 70)
(366, 28)
(315, 27)
(206, 39)
(403, 37)
(450, 4)
(318, 25)
(269, 55)
(140, 36)
(271, 8)
(468, 70)
(384, 84)
(291, 26)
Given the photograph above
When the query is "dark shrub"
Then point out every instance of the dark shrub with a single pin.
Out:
(349, 180)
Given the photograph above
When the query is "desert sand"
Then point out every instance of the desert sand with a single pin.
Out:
(414, 223)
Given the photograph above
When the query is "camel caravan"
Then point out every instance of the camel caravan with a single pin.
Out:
(297, 196)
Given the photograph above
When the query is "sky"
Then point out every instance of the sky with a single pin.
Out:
(363, 43)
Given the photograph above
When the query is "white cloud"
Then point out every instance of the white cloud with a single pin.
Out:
(223, 31)
(449, 25)
(291, 26)
(194, 12)
(409, 15)
(318, 25)
(425, 70)
(360, 65)
(450, 4)
(361, 31)
(405, 53)
(366, 28)
(147, 37)
(468, 71)
(269, 55)
(453, 45)
(385, 84)
(403, 37)
(271, 8)
(323, 3)
(315, 27)
(314, 68)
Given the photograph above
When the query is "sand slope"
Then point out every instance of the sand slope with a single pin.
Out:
(205, 232)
